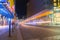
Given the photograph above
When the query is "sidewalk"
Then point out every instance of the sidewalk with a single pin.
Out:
(15, 35)
(4, 34)
(19, 34)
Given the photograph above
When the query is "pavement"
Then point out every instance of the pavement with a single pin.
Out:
(4, 33)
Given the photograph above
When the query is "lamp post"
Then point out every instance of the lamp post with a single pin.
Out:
(9, 20)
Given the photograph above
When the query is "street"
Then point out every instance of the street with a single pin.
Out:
(39, 33)
(27, 32)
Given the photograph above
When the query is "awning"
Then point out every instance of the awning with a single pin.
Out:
(5, 12)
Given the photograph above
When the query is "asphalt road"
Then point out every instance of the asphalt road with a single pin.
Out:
(39, 33)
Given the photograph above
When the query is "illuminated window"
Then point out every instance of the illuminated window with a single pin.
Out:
(55, 4)
(58, 3)
(56, 12)
(54, 0)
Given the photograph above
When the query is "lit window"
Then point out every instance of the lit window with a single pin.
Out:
(54, 0)
(55, 4)
(58, 3)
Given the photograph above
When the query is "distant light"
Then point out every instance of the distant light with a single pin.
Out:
(3, 27)
(9, 19)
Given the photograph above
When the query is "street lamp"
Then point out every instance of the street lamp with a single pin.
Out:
(9, 21)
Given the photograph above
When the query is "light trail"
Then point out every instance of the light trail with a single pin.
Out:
(38, 15)
(3, 27)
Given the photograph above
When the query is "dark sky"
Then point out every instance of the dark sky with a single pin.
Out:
(21, 7)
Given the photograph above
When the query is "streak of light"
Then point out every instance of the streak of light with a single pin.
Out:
(39, 15)
(4, 26)
(35, 23)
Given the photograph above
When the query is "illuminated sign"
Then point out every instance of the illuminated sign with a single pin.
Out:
(11, 2)
(3, 1)
(11, 6)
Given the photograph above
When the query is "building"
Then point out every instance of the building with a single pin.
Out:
(35, 6)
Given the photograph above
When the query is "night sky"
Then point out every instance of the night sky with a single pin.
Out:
(21, 7)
